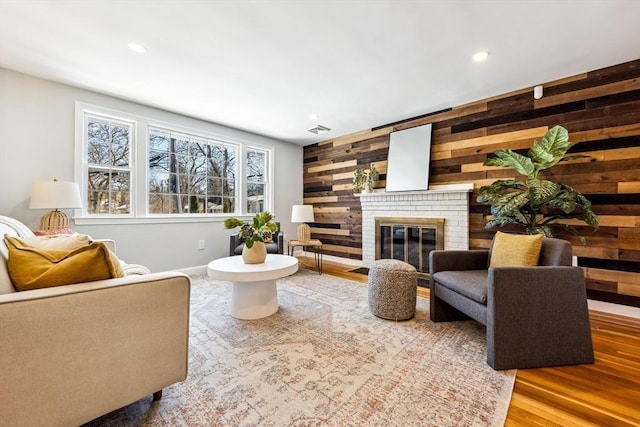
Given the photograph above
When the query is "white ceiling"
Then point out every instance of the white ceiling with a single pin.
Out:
(265, 66)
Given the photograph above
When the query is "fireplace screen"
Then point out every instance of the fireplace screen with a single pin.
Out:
(409, 240)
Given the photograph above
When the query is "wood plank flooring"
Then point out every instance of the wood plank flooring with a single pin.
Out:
(606, 393)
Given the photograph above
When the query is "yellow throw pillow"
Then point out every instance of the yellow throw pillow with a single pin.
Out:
(515, 250)
(33, 268)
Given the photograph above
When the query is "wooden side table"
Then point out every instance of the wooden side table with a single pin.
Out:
(316, 248)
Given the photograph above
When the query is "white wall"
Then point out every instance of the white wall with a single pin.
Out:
(37, 143)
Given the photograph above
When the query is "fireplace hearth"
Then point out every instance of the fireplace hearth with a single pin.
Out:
(409, 239)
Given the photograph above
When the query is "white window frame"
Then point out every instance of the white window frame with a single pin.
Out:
(139, 169)
(267, 172)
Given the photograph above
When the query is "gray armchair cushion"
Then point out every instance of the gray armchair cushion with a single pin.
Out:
(471, 283)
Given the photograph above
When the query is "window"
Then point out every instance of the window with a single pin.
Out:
(109, 165)
(133, 167)
(256, 168)
(189, 174)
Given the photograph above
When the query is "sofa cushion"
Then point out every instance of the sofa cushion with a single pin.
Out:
(32, 268)
(515, 250)
(58, 241)
(470, 283)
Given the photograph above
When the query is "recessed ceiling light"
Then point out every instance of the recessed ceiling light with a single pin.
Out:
(137, 47)
(480, 56)
(314, 117)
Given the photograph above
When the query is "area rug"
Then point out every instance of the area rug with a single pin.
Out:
(324, 360)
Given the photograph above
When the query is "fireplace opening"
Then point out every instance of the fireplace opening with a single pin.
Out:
(410, 240)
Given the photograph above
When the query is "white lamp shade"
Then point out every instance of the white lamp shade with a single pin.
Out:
(55, 195)
(302, 213)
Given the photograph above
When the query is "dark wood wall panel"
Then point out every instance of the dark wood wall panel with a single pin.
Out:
(601, 110)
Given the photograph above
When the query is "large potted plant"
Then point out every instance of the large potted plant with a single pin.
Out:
(538, 205)
(254, 234)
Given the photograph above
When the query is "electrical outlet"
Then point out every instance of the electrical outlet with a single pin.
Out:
(200, 244)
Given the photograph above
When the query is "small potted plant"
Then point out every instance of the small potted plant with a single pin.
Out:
(359, 179)
(254, 234)
(372, 177)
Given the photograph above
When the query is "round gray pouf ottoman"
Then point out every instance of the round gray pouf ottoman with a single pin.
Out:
(392, 289)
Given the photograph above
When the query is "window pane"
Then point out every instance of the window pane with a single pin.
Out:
(108, 175)
(229, 205)
(180, 145)
(98, 202)
(119, 202)
(255, 166)
(256, 177)
(98, 153)
(120, 145)
(120, 181)
(255, 198)
(158, 140)
(158, 160)
(214, 186)
(192, 170)
(120, 155)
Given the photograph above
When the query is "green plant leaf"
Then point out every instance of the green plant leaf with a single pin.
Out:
(510, 203)
(541, 191)
(489, 194)
(565, 201)
(550, 149)
(590, 217)
(509, 159)
(232, 223)
(502, 221)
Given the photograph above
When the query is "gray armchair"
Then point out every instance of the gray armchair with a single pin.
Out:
(276, 247)
(535, 316)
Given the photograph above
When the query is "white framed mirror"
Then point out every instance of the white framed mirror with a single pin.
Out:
(408, 160)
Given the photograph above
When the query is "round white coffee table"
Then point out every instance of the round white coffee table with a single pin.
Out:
(254, 285)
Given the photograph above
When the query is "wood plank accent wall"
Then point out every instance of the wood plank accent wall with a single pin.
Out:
(601, 110)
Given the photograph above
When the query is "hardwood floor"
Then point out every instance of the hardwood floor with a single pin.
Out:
(606, 393)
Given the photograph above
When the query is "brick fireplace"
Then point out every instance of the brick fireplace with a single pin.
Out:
(449, 203)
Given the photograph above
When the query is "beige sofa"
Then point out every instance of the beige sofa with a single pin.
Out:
(72, 353)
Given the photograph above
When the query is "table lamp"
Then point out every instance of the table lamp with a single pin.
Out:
(55, 195)
(303, 214)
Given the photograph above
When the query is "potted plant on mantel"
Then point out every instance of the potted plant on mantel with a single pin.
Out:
(372, 177)
(359, 178)
(364, 180)
(536, 204)
(254, 234)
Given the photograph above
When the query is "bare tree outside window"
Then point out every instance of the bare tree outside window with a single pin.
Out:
(256, 180)
(109, 166)
(190, 174)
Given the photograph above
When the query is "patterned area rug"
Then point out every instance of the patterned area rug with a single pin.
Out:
(324, 360)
